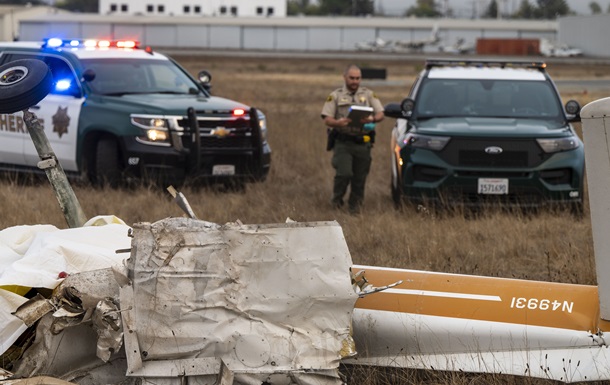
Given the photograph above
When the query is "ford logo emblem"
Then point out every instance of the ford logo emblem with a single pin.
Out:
(493, 150)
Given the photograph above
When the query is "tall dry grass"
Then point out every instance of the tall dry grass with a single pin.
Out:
(549, 246)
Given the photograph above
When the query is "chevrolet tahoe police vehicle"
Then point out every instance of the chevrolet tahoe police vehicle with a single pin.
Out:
(118, 112)
(476, 132)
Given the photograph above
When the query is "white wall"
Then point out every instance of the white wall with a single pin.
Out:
(589, 33)
(228, 8)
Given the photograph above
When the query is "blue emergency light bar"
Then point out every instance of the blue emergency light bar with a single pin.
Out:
(55, 42)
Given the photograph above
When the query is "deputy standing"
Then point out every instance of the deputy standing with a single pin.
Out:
(352, 148)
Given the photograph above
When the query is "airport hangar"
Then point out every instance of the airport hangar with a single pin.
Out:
(312, 33)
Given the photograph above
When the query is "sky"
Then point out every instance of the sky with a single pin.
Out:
(468, 8)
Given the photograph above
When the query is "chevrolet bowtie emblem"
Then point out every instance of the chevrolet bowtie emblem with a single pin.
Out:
(220, 132)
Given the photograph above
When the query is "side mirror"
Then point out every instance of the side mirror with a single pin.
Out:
(88, 75)
(399, 111)
(205, 78)
(573, 110)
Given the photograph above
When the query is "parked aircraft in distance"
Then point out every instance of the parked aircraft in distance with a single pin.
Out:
(418, 45)
(461, 46)
(380, 44)
(376, 45)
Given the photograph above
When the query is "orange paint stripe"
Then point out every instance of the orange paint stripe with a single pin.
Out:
(484, 298)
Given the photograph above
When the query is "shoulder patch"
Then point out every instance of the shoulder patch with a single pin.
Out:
(329, 98)
(375, 95)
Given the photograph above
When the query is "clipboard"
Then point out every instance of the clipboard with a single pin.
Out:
(356, 113)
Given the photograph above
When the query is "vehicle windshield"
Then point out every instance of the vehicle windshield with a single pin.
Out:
(135, 76)
(487, 98)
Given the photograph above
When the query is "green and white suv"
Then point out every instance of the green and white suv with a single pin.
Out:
(117, 113)
(480, 132)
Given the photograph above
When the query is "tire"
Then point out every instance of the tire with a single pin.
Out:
(108, 169)
(23, 83)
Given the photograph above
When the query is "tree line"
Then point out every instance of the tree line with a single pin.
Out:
(539, 9)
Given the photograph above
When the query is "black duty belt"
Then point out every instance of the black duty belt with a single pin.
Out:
(356, 138)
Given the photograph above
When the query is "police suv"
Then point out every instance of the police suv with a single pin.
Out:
(118, 112)
(478, 132)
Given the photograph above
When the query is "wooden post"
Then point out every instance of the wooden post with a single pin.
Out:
(75, 217)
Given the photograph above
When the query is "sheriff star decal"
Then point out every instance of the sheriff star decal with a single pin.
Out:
(61, 120)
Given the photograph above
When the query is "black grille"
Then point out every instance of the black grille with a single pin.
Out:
(481, 158)
(471, 152)
(233, 141)
(427, 174)
(559, 176)
(220, 131)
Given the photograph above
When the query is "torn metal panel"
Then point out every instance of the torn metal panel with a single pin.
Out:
(82, 331)
(262, 298)
(34, 309)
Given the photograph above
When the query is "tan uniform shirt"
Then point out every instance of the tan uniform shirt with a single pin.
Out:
(339, 101)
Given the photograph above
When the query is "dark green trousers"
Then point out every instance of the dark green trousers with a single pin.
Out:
(352, 162)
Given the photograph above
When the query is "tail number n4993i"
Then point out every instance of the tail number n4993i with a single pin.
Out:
(541, 304)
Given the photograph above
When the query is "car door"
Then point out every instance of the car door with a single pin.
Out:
(58, 112)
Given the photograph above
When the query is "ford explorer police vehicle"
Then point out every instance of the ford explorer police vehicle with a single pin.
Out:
(479, 132)
(118, 113)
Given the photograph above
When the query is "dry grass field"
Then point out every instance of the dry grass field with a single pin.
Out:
(549, 246)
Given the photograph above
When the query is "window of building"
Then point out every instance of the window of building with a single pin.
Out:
(150, 8)
(160, 8)
(259, 10)
(113, 7)
(270, 11)
(234, 11)
(187, 9)
(223, 10)
(124, 7)
(197, 9)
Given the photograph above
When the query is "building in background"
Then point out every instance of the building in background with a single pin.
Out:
(233, 8)
(11, 16)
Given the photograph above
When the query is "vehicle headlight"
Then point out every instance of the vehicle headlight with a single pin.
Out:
(558, 144)
(434, 143)
(155, 129)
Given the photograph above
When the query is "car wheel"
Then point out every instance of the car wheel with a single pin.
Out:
(107, 164)
(395, 185)
(23, 83)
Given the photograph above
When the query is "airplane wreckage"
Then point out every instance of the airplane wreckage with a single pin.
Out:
(185, 301)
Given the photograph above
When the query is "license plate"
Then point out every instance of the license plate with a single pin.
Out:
(493, 186)
(223, 169)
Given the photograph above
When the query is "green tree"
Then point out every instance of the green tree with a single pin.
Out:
(424, 8)
(551, 9)
(363, 7)
(301, 7)
(525, 11)
(595, 8)
(492, 10)
(78, 5)
(347, 7)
